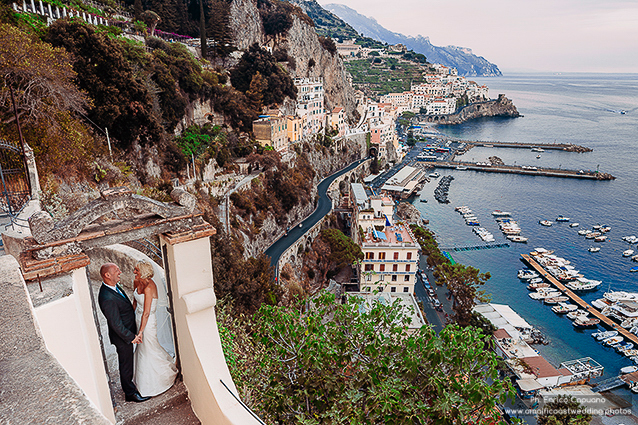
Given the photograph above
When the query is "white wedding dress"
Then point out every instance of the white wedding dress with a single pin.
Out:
(155, 369)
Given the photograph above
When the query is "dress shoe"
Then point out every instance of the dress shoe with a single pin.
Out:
(136, 398)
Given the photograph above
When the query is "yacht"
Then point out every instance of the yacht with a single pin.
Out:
(577, 314)
(527, 274)
(594, 249)
(628, 253)
(562, 218)
(583, 284)
(499, 213)
(604, 335)
(564, 308)
(546, 223)
(584, 322)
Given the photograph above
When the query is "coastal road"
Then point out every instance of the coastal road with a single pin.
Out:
(324, 206)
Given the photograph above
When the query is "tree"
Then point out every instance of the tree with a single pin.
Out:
(563, 410)
(463, 282)
(41, 78)
(324, 362)
(343, 251)
(151, 19)
(259, 60)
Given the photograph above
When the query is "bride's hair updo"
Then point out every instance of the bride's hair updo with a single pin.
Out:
(145, 269)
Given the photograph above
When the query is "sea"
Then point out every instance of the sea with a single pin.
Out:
(579, 108)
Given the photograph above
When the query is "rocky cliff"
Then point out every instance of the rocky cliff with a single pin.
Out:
(302, 43)
(501, 107)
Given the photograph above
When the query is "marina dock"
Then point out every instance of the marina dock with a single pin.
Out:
(476, 247)
(579, 301)
(530, 171)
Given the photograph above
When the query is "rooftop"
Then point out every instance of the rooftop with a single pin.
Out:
(397, 235)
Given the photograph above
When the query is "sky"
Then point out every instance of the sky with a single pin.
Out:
(521, 35)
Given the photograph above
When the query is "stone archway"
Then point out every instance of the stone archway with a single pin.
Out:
(57, 255)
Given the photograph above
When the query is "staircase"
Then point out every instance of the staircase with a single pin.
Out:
(171, 408)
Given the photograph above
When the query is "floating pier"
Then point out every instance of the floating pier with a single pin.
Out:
(477, 247)
(579, 301)
(530, 171)
(608, 384)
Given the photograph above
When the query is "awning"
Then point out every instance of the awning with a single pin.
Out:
(527, 385)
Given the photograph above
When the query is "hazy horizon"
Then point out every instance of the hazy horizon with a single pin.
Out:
(540, 36)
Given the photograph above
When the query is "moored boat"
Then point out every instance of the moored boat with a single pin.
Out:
(628, 253)
(584, 322)
(594, 249)
(556, 299)
(576, 314)
(537, 286)
(499, 213)
(517, 238)
(592, 235)
(629, 369)
(526, 274)
(584, 232)
(613, 340)
(545, 223)
(574, 225)
(583, 284)
(604, 335)
(562, 218)
(536, 280)
(564, 308)
(601, 238)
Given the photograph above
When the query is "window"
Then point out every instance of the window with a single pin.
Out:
(382, 277)
(369, 267)
(369, 277)
(393, 289)
(407, 267)
(394, 278)
(395, 268)
(406, 278)
(381, 267)
(409, 256)
(406, 289)
(396, 255)
(382, 256)
(369, 255)
(368, 289)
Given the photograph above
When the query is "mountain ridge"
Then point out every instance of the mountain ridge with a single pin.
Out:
(461, 58)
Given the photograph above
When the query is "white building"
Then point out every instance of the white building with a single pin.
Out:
(310, 103)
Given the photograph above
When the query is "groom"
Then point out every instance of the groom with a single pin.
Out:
(120, 316)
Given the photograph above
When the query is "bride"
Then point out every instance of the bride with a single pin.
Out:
(155, 369)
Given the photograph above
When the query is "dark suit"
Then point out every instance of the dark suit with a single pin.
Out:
(120, 317)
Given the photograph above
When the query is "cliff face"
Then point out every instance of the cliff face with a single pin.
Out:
(501, 107)
(301, 43)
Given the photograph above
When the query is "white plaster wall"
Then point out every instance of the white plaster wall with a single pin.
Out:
(69, 332)
(200, 352)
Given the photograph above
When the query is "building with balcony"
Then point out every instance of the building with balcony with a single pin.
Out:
(272, 131)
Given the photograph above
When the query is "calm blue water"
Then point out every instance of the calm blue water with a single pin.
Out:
(576, 108)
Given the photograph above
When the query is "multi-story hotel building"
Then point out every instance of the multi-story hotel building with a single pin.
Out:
(391, 259)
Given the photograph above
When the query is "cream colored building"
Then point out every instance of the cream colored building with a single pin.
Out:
(272, 131)
(391, 259)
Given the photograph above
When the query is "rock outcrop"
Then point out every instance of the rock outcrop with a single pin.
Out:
(302, 43)
(501, 107)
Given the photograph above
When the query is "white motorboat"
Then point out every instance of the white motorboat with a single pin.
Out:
(601, 238)
(536, 280)
(630, 239)
(499, 213)
(629, 369)
(564, 308)
(517, 238)
(461, 167)
(583, 284)
(592, 235)
(613, 340)
(562, 218)
(537, 149)
(435, 175)
(545, 223)
(584, 232)
(594, 249)
(604, 335)
(628, 253)
(635, 258)
(526, 274)
(574, 225)
(577, 313)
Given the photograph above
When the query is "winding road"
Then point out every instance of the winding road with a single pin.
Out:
(324, 206)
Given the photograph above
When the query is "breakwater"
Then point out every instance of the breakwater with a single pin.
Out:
(567, 147)
(530, 171)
